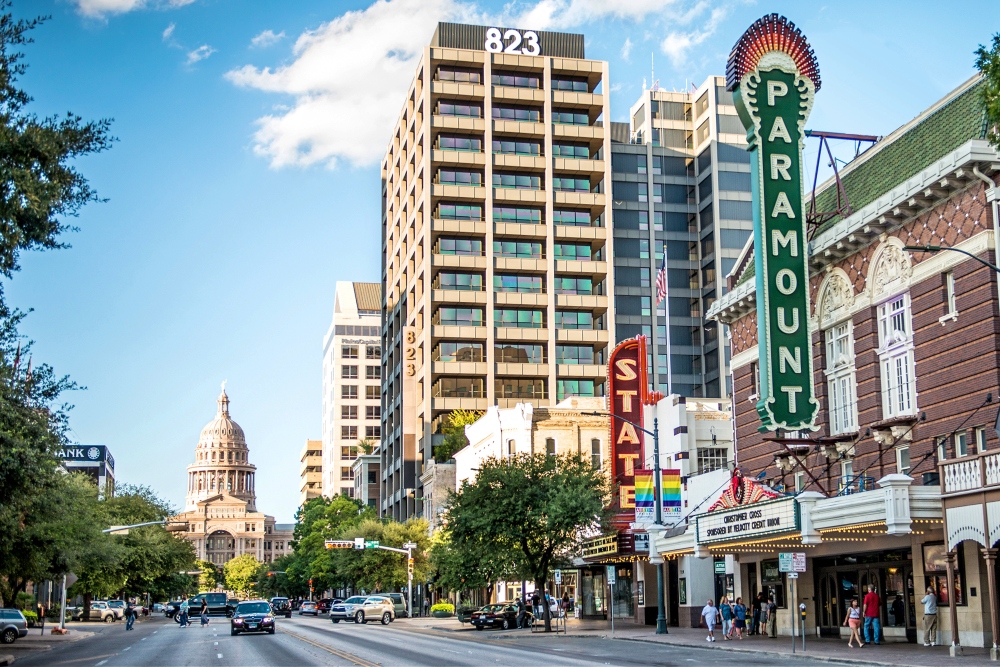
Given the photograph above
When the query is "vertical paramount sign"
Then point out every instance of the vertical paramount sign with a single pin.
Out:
(774, 77)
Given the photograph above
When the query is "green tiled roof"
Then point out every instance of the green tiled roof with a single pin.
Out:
(947, 128)
(941, 132)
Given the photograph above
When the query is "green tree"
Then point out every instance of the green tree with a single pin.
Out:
(379, 570)
(318, 520)
(210, 577)
(271, 581)
(453, 427)
(537, 507)
(477, 563)
(988, 62)
(240, 573)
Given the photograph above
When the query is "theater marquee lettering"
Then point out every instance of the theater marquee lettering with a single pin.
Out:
(773, 75)
(750, 521)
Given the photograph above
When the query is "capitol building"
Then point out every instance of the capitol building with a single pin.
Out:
(221, 507)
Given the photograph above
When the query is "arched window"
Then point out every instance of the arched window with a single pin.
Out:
(510, 448)
(550, 446)
(595, 453)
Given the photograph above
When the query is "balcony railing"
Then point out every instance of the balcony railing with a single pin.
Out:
(970, 473)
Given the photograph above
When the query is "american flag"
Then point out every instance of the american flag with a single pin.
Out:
(661, 279)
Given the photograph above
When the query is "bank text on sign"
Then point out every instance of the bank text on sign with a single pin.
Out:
(749, 521)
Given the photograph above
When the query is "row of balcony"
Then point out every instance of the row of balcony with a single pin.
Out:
(477, 91)
(584, 301)
(514, 161)
(585, 267)
(520, 127)
(530, 230)
(479, 333)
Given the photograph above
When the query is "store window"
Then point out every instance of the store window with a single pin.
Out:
(936, 572)
(773, 582)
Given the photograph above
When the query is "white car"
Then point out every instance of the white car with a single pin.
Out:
(343, 611)
(375, 607)
(99, 611)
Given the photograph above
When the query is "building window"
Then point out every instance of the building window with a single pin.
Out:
(348, 412)
(711, 458)
(348, 452)
(346, 474)
(373, 352)
(595, 454)
(550, 446)
(961, 444)
(349, 391)
(942, 449)
(949, 283)
(980, 439)
(903, 460)
(349, 372)
(348, 432)
(371, 392)
(896, 358)
(511, 448)
(840, 375)
(373, 372)
(373, 412)
(373, 431)
(800, 482)
(372, 477)
(349, 352)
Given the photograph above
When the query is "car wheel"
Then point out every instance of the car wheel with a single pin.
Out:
(479, 627)
(386, 618)
(271, 631)
(335, 620)
(359, 617)
(109, 619)
(505, 625)
(8, 636)
(233, 632)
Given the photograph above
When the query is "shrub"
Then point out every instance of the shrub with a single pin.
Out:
(31, 617)
(24, 601)
(443, 606)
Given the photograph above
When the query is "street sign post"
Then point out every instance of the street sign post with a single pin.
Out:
(611, 597)
(359, 543)
(558, 575)
(371, 544)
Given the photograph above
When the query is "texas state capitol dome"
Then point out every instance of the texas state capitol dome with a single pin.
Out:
(221, 506)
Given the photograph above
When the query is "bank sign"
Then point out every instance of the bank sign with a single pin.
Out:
(93, 454)
(774, 77)
(747, 522)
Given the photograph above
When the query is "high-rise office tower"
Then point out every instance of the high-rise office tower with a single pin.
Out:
(681, 186)
(352, 382)
(495, 241)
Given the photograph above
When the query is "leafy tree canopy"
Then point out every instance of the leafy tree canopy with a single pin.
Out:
(988, 62)
(240, 573)
(453, 427)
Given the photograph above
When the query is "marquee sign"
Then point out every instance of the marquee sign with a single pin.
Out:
(773, 74)
(742, 491)
(749, 521)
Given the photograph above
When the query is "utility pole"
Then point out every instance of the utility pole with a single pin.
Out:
(62, 606)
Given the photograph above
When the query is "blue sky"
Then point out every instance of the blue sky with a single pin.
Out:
(245, 182)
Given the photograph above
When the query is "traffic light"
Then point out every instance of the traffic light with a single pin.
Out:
(270, 574)
(409, 567)
(310, 583)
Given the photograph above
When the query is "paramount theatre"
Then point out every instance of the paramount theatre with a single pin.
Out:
(863, 325)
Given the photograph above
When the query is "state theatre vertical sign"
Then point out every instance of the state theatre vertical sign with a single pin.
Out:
(773, 74)
(627, 391)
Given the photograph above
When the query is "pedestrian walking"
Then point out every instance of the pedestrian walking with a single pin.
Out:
(872, 611)
(130, 614)
(184, 612)
(772, 618)
(930, 617)
(536, 603)
(204, 612)
(755, 614)
(709, 616)
(853, 621)
(566, 603)
(740, 618)
(520, 612)
(427, 606)
(726, 612)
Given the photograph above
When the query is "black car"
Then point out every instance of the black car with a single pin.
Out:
(171, 608)
(231, 605)
(281, 607)
(503, 616)
(218, 604)
(252, 616)
(324, 605)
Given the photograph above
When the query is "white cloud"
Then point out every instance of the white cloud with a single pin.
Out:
(348, 77)
(267, 38)
(169, 32)
(101, 8)
(626, 49)
(199, 54)
(677, 44)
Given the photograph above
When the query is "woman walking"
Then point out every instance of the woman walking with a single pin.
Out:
(740, 623)
(853, 620)
(726, 612)
(204, 612)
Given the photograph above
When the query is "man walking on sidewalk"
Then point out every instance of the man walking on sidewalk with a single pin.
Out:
(772, 618)
(709, 616)
(930, 617)
(872, 612)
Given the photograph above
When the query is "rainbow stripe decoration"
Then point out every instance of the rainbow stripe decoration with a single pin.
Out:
(671, 496)
(771, 33)
(645, 493)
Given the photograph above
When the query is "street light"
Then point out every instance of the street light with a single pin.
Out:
(937, 248)
(661, 612)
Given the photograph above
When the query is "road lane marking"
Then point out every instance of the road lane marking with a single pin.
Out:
(126, 648)
(357, 660)
(220, 656)
(215, 643)
(101, 663)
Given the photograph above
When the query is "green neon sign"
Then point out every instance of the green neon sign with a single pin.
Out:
(773, 75)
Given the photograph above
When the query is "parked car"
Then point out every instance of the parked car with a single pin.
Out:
(99, 611)
(324, 605)
(281, 607)
(252, 616)
(308, 607)
(157, 607)
(119, 607)
(231, 605)
(375, 607)
(398, 603)
(345, 610)
(12, 625)
(503, 616)
(217, 604)
(171, 608)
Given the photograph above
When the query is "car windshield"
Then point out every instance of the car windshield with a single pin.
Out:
(253, 608)
(377, 600)
(355, 600)
(493, 607)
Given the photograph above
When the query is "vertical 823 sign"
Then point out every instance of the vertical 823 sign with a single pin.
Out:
(495, 42)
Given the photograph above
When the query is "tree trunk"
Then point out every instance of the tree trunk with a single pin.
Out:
(86, 607)
(489, 591)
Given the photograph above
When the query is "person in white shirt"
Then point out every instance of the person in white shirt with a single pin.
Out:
(930, 617)
(709, 616)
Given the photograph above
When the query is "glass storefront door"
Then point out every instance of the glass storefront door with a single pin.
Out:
(593, 589)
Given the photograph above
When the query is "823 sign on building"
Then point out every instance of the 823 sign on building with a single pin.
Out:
(512, 41)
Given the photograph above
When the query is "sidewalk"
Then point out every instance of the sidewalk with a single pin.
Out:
(832, 650)
(43, 642)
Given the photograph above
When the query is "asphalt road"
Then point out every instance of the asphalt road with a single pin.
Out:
(317, 641)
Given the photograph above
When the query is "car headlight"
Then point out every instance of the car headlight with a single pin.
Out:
(268, 620)
(238, 621)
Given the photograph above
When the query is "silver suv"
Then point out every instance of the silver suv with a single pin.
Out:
(99, 611)
(343, 611)
(375, 607)
(12, 625)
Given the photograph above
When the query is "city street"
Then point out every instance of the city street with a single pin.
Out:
(317, 641)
